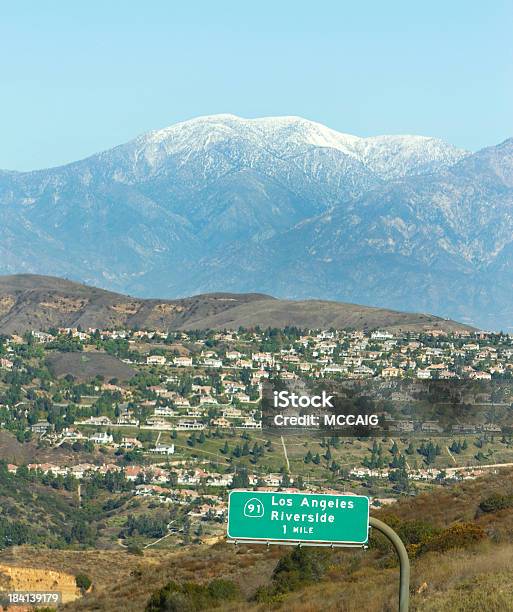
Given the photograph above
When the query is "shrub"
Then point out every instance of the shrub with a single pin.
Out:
(496, 502)
(420, 537)
(267, 594)
(133, 549)
(461, 535)
(191, 596)
(223, 590)
(83, 582)
(170, 601)
(413, 533)
(300, 567)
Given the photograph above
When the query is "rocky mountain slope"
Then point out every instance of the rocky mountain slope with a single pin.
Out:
(30, 302)
(277, 205)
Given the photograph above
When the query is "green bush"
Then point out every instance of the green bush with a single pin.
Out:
(413, 533)
(267, 594)
(301, 566)
(461, 535)
(416, 531)
(192, 597)
(223, 590)
(420, 536)
(496, 502)
(83, 581)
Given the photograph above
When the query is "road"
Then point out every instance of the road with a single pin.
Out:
(450, 454)
(285, 453)
(475, 467)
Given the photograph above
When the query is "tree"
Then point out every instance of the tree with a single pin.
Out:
(301, 566)
(285, 480)
(240, 479)
(237, 452)
(83, 582)
(192, 440)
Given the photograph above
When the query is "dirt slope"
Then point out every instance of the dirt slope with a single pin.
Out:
(41, 302)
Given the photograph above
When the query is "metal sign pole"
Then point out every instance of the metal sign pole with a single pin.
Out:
(310, 519)
(404, 584)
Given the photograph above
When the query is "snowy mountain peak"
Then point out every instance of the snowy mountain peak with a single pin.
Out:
(278, 204)
(289, 136)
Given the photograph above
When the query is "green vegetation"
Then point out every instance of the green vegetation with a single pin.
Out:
(151, 506)
(193, 597)
(461, 535)
(295, 570)
(461, 560)
(83, 582)
(40, 508)
(153, 526)
(496, 502)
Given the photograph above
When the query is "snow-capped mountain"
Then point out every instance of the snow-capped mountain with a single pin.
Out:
(286, 138)
(279, 204)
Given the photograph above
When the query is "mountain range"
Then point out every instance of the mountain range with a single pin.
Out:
(29, 302)
(279, 205)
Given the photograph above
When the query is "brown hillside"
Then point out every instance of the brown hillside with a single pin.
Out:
(471, 578)
(40, 302)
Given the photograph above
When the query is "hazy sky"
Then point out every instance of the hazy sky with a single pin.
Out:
(78, 77)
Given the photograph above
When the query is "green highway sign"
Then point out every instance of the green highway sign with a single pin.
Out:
(298, 517)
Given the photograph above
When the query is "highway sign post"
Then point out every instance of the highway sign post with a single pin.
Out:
(310, 519)
(404, 561)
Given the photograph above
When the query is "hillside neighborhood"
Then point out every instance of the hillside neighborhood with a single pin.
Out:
(177, 416)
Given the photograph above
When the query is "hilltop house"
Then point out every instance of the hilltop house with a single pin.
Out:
(162, 449)
(101, 437)
(183, 362)
(156, 360)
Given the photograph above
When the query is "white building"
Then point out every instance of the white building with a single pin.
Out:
(101, 437)
(156, 360)
(183, 362)
(162, 449)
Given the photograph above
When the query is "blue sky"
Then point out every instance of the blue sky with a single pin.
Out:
(79, 77)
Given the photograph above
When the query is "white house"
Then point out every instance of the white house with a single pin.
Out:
(156, 360)
(162, 449)
(101, 437)
(183, 362)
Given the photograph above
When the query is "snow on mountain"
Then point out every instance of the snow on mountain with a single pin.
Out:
(392, 157)
(287, 137)
(277, 204)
